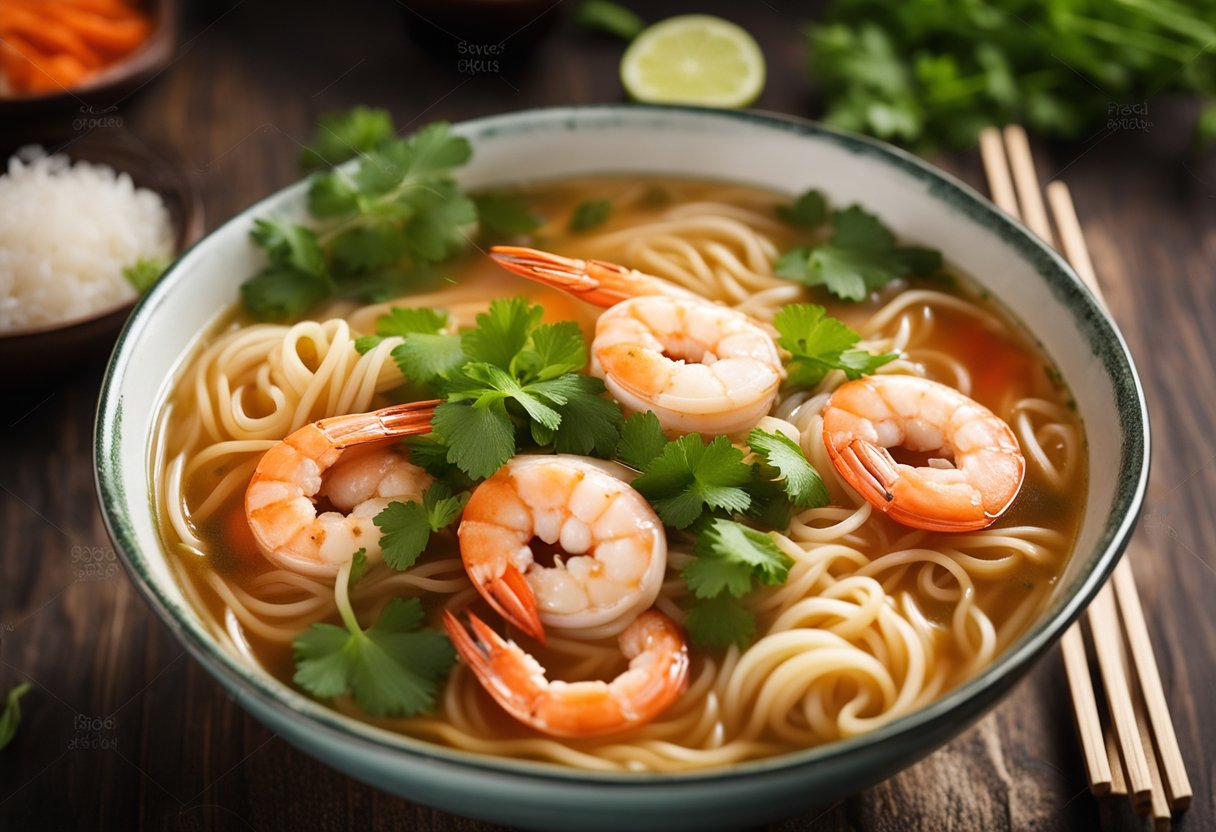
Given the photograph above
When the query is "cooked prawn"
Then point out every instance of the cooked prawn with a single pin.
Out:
(345, 460)
(611, 550)
(657, 675)
(974, 479)
(700, 366)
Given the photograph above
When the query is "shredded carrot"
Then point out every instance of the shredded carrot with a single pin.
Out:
(53, 45)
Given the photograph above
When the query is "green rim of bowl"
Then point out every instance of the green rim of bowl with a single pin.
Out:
(969, 699)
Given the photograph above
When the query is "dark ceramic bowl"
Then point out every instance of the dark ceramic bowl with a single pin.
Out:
(918, 201)
(40, 354)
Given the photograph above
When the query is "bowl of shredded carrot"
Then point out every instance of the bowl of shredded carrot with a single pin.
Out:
(80, 51)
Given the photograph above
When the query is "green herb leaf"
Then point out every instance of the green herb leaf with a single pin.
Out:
(720, 622)
(144, 272)
(807, 211)
(502, 331)
(358, 566)
(589, 214)
(499, 215)
(553, 350)
(479, 439)
(404, 533)
(800, 479)
(689, 477)
(391, 669)
(10, 717)
(642, 440)
(426, 357)
(590, 424)
(860, 258)
(279, 293)
(726, 540)
(819, 343)
(344, 135)
(610, 18)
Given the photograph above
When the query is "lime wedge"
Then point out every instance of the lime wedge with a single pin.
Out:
(694, 59)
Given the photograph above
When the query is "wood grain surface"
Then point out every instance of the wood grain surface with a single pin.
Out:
(124, 731)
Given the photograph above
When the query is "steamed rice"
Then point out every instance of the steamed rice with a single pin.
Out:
(67, 231)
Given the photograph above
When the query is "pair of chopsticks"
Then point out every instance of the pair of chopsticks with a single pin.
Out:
(1136, 753)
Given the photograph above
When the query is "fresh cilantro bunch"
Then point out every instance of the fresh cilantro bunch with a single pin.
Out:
(861, 256)
(380, 228)
(818, 343)
(935, 72)
(700, 486)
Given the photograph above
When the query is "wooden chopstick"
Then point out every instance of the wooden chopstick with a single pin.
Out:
(1149, 765)
(1076, 668)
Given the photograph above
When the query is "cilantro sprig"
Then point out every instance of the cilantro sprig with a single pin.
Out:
(713, 491)
(406, 527)
(818, 343)
(380, 228)
(508, 382)
(10, 717)
(861, 257)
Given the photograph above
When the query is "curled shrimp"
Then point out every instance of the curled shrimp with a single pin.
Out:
(700, 366)
(974, 479)
(608, 546)
(657, 675)
(347, 461)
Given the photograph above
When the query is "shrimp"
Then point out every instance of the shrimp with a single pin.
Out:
(657, 675)
(700, 366)
(975, 480)
(346, 461)
(608, 546)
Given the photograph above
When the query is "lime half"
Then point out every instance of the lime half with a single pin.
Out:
(694, 59)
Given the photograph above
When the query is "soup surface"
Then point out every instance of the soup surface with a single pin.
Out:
(874, 620)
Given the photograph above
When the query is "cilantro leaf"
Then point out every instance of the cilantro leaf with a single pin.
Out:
(144, 272)
(720, 622)
(709, 577)
(424, 352)
(610, 18)
(479, 439)
(818, 343)
(406, 527)
(642, 439)
(442, 506)
(590, 424)
(344, 135)
(280, 293)
(501, 332)
(391, 669)
(689, 476)
(10, 717)
(500, 215)
(727, 540)
(289, 245)
(800, 479)
(589, 214)
(860, 258)
(404, 533)
(807, 211)
(553, 350)
(425, 357)
(358, 566)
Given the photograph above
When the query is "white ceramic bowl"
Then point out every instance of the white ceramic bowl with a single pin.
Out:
(917, 201)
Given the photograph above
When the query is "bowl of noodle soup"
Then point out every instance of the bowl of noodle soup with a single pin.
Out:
(884, 641)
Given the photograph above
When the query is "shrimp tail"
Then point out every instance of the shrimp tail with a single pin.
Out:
(397, 421)
(875, 466)
(495, 661)
(512, 597)
(595, 281)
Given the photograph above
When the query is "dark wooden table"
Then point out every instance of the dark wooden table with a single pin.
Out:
(122, 730)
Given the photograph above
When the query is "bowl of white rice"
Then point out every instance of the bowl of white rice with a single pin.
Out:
(82, 234)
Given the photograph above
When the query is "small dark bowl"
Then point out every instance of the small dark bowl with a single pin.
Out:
(94, 97)
(38, 355)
